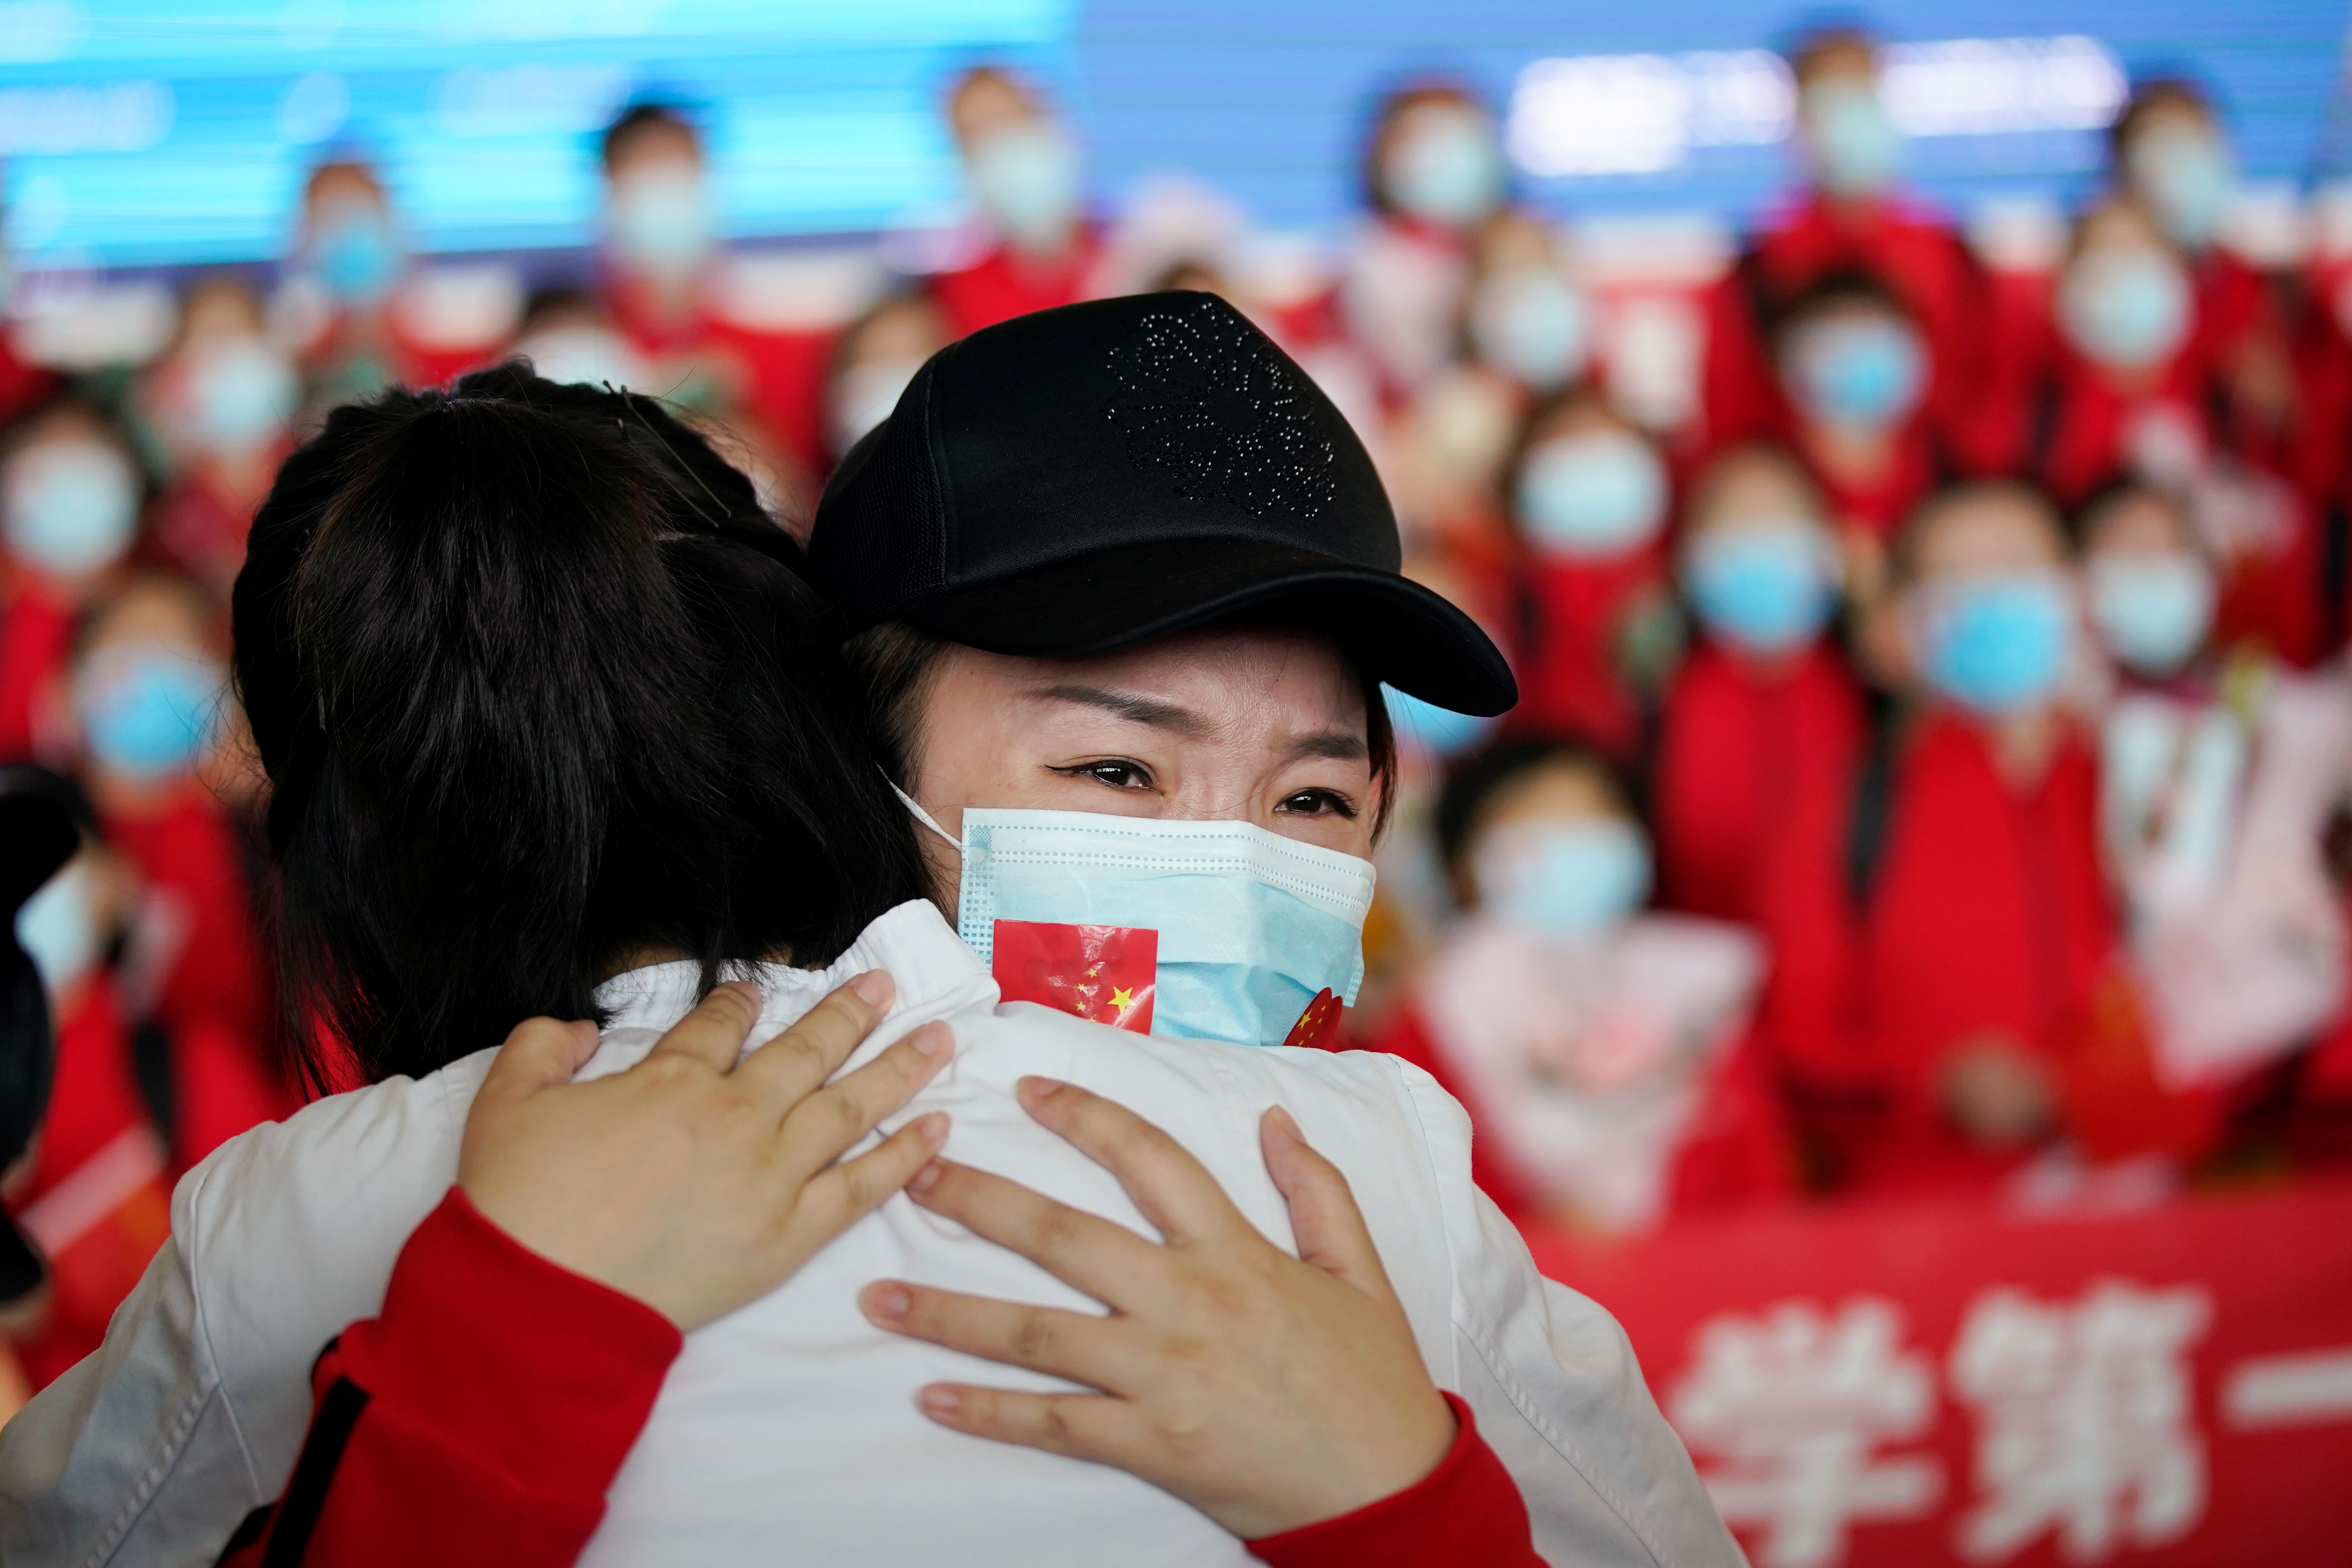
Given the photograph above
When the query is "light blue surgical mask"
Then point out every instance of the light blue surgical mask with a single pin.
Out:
(1865, 372)
(1995, 645)
(1593, 495)
(1533, 326)
(2127, 307)
(2152, 612)
(1563, 878)
(148, 707)
(1856, 148)
(2187, 177)
(1438, 731)
(1445, 168)
(72, 507)
(356, 256)
(1027, 177)
(661, 219)
(243, 395)
(57, 928)
(1766, 587)
(1252, 926)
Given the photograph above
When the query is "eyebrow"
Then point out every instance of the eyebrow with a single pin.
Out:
(1127, 705)
(1340, 745)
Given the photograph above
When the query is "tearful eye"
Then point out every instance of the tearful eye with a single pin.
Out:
(1118, 774)
(1318, 803)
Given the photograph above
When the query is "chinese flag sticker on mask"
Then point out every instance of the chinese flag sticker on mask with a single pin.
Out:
(1104, 974)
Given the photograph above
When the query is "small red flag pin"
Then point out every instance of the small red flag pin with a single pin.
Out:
(1317, 1028)
(1105, 975)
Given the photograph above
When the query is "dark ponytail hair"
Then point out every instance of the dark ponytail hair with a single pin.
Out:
(539, 687)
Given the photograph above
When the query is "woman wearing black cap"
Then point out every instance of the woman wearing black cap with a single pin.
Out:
(386, 725)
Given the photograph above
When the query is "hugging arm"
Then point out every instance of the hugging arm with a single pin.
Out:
(530, 1320)
(1283, 1397)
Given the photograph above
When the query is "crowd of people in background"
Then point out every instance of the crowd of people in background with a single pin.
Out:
(1932, 766)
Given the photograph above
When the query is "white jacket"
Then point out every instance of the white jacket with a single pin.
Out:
(787, 1432)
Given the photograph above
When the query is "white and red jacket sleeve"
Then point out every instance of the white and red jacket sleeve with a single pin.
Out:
(482, 1416)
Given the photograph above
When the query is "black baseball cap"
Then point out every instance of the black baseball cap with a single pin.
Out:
(1089, 477)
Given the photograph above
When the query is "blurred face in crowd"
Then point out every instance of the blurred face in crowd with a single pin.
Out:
(1758, 562)
(1023, 166)
(1557, 851)
(658, 203)
(348, 243)
(1589, 486)
(2176, 161)
(1851, 143)
(878, 357)
(1525, 315)
(70, 498)
(1854, 366)
(1988, 612)
(2150, 587)
(1248, 724)
(67, 927)
(225, 394)
(570, 337)
(2125, 301)
(1435, 159)
(148, 689)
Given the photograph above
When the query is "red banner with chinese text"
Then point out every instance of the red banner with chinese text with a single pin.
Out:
(1925, 1383)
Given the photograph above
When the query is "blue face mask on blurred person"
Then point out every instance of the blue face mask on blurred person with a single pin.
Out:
(356, 257)
(1864, 371)
(1563, 878)
(1444, 168)
(1997, 644)
(71, 505)
(1764, 588)
(2125, 307)
(148, 707)
(1440, 731)
(1593, 495)
(1856, 148)
(1027, 177)
(2188, 179)
(1252, 926)
(243, 395)
(1531, 325)
(661, 217)
(2152, 612)
(57, 927)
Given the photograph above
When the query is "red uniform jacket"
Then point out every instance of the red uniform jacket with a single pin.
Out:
(482, 1416)
(1573, 623)
(1005, 283)
(37, 631)
(1986, 910)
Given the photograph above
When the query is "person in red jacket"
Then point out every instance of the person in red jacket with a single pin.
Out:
(223, 401)
(1854, 217)
(1763, 727)
(1433, 176)
(70, 493)
(481, 1417)
(1598, 630)
(1606, 1055)
(1027, 179)
(1985, 926)
(149, 696)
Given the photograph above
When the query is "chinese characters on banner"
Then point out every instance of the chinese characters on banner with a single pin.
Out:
(1933, 1384)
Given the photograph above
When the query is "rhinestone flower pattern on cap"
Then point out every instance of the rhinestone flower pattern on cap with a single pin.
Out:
(1201, 397)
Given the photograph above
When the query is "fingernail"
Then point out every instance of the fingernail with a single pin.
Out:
(886, 1301)
(1281, 1118)
(743, 988)
(933, 1130)
(872, 987)
(932, 1039)
(925, 1179)
(940, 1401)
(1040, 1088)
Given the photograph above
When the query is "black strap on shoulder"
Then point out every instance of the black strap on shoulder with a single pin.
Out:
(314, 1472)
(250, 1529)
(2334, 567)
(1871, 810)
(152, 1069)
